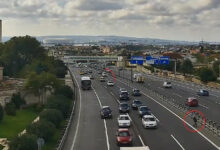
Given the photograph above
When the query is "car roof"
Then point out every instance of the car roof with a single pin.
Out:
(123, 129)
(136, 100)
(148, 116)
(123, 103)
(105, 107)
(191, 98)
(143, 106)
(123, 115)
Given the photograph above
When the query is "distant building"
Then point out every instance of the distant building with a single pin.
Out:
(191, 58)
(194, 51)
(173, 55)
(106, 50)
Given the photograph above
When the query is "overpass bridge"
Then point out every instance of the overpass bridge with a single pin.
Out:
(72, 59)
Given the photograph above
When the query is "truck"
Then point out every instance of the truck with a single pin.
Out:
(139, 78)
(135, 148)
(86, 83)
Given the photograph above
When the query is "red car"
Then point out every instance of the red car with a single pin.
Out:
(123, 137)
(192, 102)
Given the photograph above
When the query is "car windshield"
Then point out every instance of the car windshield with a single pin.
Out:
(106, 110)
(168, 82)
(136, 90)
(124, 93)
(124, 105)
(123, 134)
(144, 109)
(137, 102)
(124, 118)
(149, 119)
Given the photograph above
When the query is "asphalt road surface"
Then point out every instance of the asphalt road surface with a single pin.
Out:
(89, 132)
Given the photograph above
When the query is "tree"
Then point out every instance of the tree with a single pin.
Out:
(187, 67)
(39, 84)
(1, 113)
(18, 52)
(65, 90)
(43, 129)
(53, 115)
(60, 69)
(17, 100)
(24, 142)
(207, 74)
(59, 102)
(215, 67)
(10, 109)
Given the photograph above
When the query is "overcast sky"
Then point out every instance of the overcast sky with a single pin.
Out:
(189, 20)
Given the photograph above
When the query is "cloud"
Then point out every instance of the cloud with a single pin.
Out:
(121, 14)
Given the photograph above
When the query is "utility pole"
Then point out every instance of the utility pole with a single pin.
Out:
(175, 67)
(131, 75)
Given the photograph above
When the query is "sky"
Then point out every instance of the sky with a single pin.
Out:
(190, 20)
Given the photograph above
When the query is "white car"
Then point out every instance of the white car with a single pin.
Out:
(123, 90)
(167, 85)
(110, 83)
(124, 121)
(149, 121)
(104, 74)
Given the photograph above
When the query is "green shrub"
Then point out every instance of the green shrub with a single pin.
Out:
(65, 90)
(53, 115)
(18, 100)
(24, 142)
(1, 113)
(59, 102)
(10, 109)
(42, 129)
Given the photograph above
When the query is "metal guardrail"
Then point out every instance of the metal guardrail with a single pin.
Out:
(69, 120)
(210, 125)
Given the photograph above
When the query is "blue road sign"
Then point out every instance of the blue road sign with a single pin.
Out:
(164, 60)
(152, 60)
(137, 60)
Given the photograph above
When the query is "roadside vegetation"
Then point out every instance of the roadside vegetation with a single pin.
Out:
(205, 74)
(23, 57)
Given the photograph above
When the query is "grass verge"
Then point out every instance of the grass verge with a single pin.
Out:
(11, 126)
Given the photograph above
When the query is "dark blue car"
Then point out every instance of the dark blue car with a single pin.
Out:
(203, 93)
(136, 92)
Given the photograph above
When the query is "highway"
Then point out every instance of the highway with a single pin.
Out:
(208, 105)
(89, 131)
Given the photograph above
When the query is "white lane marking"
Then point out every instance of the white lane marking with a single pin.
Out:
(106, 134)
(178, 117)
(129, 116)
(203, 106)
(141, 140)
(106, 129)
(177, 142)
(105, 87)
(177, 95)
(155, 117)
(79, 115)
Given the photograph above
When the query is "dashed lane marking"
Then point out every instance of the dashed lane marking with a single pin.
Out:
(177, 142)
